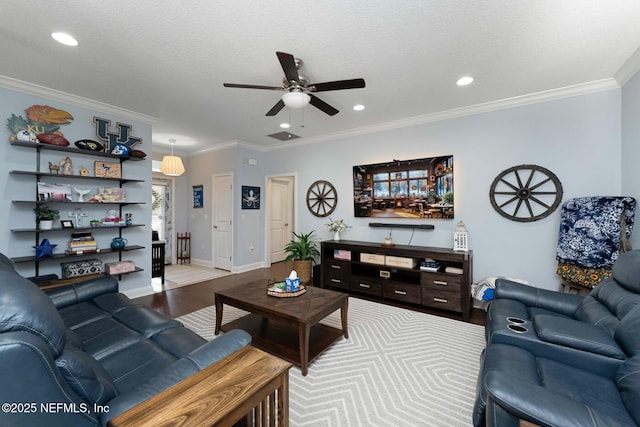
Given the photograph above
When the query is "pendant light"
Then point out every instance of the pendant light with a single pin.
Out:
(172, 165)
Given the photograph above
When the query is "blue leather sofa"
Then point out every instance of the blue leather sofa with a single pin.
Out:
(561, 360)
(84, 353)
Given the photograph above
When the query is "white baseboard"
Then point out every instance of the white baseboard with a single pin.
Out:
(248, 267)
(202, 262)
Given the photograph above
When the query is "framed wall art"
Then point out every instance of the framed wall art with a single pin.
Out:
(108, 169)
(198, 196)
(250, 197)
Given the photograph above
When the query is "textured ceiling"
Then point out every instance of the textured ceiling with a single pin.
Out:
(168, 59)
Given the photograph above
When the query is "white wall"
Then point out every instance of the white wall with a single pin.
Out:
(14, 187)
(577, 138)
(631, 146)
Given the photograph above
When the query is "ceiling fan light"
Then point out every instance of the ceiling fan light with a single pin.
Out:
(296, 99)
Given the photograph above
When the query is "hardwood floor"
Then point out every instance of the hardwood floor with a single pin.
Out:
(178, 302)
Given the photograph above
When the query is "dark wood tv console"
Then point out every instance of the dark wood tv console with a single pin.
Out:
(394, 273)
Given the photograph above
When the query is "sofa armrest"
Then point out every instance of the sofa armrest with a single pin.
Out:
(558, 302)
(575, 334)
(533, 403)
(205, 355)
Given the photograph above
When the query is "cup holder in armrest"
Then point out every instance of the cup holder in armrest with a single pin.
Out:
(515, 320)
(517, 328)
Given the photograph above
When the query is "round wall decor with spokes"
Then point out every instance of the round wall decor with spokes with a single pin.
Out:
(322, 198)
(526, 193)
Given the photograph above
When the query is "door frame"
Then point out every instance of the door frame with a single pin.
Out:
(171, 238)
(212, 216)
(293, 176)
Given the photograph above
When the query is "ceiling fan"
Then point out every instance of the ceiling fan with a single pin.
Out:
(298, 89)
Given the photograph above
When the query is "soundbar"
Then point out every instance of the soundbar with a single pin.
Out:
(416, 226)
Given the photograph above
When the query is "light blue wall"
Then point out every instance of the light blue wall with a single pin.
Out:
(12, 187)
(577, 138)
(631, 146)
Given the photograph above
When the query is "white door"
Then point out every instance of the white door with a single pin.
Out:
(222, 221)
(280, 218)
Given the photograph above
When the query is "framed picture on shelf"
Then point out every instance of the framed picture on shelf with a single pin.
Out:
(111, 194)
(66, 223)
(108, 169)
(50, 192)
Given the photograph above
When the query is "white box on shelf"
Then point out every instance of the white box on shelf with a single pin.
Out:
(403, 262)
(372, 258)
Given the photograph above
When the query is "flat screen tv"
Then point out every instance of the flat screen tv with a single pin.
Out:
(418, 188)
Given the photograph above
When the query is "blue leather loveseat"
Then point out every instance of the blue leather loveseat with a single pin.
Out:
(557, 359)
(84, 353)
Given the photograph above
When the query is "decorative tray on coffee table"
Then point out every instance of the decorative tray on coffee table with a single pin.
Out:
(274, 291)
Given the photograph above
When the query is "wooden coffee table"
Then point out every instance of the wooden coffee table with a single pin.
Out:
(286, 327)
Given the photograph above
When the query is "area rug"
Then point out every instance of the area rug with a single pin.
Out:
(397, 368)
(178, 275)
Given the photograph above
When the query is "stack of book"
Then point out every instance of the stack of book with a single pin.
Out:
(429, 265)
(82, 243)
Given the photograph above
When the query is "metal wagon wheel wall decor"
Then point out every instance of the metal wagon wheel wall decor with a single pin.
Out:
(322, 198)
(526, 193)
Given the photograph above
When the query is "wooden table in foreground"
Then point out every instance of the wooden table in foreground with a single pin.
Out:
(286, 327)
(248, 384)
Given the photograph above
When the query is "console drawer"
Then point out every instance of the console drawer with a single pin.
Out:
(401, 292)
(441, 282)
(365, 285)
(337, 268)
(336, 282)
(439, 298)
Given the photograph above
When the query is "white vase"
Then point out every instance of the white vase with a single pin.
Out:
(336, 235)
(46, 224)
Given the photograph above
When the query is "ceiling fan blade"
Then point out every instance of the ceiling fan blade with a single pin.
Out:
(288, 63)
(336, 85)
(276, 108)
(243, 86)
(322, 106)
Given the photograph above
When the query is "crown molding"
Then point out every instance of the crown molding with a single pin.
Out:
(56, 95)
(516, 101)
(629, 69)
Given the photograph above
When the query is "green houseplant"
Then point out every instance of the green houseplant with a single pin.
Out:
(303, 251)
(45, 216)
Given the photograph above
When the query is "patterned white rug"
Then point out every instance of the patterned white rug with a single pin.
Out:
(398, 368)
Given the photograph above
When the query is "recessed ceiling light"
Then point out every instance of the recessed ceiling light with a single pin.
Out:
(65, 39)
(284, 125)
(358, 107)
(465, 81)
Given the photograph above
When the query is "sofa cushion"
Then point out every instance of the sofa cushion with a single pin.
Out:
(576, 334)
(86, 377)
(144, 320)
(26, 308)
(178, 341)
(628, 381)
(106, 336)
(81, 314)
(136, 364)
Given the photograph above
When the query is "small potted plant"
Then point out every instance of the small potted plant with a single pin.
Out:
(303, 251)
(94, 223)
(45, 217)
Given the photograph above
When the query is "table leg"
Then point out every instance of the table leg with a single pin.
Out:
(218, 315)
(303, 337)
(343, 317)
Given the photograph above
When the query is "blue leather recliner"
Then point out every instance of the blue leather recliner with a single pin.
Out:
(85, 353)
(546, 347)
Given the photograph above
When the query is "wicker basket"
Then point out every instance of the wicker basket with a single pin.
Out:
(303, 268)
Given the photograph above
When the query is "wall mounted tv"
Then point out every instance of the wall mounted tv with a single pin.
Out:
(418, 188)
